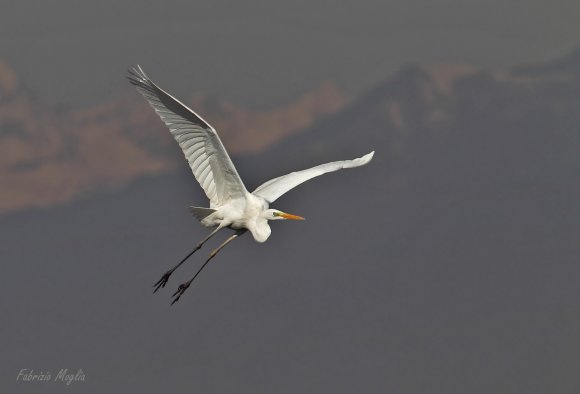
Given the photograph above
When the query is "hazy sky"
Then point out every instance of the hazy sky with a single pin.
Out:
(449, 264)
(262, 53)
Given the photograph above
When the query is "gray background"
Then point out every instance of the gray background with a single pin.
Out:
(262, 53)
(449, 264)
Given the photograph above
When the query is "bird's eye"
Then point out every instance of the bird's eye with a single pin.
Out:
(276, 213)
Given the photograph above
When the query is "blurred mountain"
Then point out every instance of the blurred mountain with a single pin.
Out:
(50, 156)
(448, 264)
(436, 122)
(568, 64)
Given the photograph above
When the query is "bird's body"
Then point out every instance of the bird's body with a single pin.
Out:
(231, 205)
(247, 212)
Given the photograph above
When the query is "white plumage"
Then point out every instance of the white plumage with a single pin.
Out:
(274, 188)
(201, 145)
(231, 205)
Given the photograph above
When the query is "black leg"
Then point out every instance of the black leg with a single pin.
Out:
(182, 287)
(163, 281)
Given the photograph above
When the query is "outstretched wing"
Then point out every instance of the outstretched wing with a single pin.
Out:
(207, 157)
(271, 190)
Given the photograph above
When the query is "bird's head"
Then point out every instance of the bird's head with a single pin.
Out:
(274, 214)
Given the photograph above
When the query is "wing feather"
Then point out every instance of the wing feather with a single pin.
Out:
(200, 143)
(274, 188)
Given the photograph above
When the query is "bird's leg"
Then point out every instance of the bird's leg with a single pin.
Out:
(163, 281)
(182, 287)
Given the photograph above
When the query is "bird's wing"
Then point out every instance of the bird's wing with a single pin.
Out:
(274, 188)
(207, 157)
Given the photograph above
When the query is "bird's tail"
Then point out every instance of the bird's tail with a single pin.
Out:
(201, 213)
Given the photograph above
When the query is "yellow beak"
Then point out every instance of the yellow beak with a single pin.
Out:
(291, 217)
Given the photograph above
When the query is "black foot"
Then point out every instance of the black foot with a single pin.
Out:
(163, 281)
(180, 290)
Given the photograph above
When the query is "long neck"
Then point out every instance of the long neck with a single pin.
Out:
(260, 230)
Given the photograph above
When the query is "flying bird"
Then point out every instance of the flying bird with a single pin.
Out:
(231, 205)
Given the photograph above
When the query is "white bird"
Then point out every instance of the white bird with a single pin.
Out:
(231, 205)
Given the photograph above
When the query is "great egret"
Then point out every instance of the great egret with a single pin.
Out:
(231, 205)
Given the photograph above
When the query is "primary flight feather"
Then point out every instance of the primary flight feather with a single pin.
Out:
(231, 205)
